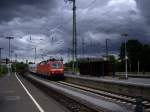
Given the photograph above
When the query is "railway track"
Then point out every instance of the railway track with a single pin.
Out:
(130, 101)
(117, 98)
(67, 102)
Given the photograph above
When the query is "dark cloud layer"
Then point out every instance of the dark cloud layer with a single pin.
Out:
(51, 20)
(144, 6)
(10, 9)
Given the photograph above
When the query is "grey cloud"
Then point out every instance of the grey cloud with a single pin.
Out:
(143, 5)
(26, 9)
(95, 22)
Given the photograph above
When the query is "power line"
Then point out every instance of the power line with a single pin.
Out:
(70, 19)
(91, 3)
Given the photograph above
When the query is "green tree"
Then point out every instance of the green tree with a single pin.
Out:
(3, 70)
(112, 58)
(145, 58)
(134, 49)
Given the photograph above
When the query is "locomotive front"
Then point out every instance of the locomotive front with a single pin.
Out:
(56, 69)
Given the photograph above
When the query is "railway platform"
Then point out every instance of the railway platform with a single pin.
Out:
(130, 80)
(13, 97)
(94, 101)
(18, 95)
(133, 87)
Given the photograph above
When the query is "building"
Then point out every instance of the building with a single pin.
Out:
(95, 67)
(4, 61)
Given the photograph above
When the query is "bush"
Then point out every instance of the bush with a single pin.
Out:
(3, 70)
(20, 68)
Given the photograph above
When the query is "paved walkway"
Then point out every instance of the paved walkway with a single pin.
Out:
(14, 98)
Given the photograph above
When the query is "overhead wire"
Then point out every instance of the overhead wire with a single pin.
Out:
(68, 20)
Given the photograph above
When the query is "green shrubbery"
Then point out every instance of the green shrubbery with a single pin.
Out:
(3, 70)
(68, 67)
(20, 67)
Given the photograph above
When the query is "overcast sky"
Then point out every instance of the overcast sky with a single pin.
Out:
(47, 25)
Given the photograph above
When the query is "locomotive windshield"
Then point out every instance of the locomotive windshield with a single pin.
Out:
(56, 65)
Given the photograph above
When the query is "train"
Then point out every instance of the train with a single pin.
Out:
(52, 68)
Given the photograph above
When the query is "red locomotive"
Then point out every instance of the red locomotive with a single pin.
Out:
(51, 68)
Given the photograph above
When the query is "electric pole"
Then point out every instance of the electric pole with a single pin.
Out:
(16, 58)
(9, 39)
(83, 44)
(1, 55)
(69, 50)
(126, 58)
(107, 49)
(74, 39)
(138, 66)
(35, 55)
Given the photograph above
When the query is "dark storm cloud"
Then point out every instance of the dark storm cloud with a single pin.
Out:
(52, 21)
(144, 6)
(26, 9)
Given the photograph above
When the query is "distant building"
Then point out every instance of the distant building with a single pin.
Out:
(95, 67)
(5, 61)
